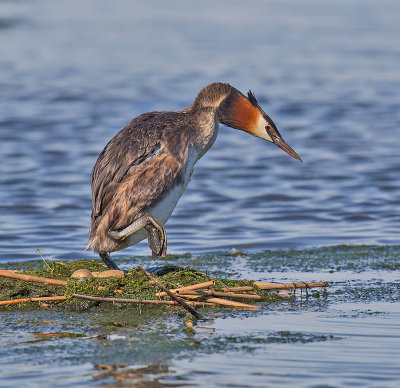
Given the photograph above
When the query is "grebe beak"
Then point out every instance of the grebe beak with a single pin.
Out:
(278, 141)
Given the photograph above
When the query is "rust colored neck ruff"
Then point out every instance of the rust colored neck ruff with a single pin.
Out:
(222, 103)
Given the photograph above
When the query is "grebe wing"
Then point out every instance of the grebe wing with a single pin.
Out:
(135, 168)
(127, 149)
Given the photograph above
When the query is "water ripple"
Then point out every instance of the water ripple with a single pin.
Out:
(70, 81)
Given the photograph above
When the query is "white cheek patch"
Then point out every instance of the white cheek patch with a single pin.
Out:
(261, 131)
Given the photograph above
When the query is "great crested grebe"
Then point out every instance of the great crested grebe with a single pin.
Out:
(144, 169)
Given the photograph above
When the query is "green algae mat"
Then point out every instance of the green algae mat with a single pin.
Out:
(84, 283)
(352, 335)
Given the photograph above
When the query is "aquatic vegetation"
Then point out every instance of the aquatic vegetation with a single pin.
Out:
(134, 285)
(56, 282)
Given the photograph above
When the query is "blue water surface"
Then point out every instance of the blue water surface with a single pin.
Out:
(73, 73)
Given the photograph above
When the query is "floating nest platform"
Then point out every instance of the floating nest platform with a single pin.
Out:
(88, 281)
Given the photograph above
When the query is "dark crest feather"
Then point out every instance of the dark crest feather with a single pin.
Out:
(252, 99)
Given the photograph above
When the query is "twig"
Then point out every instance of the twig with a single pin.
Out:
(137, 301)
(220, 301)
(205, 328)
(231, 303)
(197, 286)
(238, 288)
(29, 278)
(224, 294)
(236, 295)
(288, 286)
(197, 295)
(277, 286)
(169, 293)
(40, 299)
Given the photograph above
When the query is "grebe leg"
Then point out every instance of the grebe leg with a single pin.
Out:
(157, 236)
(107, 259)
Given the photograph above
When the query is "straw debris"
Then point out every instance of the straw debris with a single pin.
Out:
(172, 286)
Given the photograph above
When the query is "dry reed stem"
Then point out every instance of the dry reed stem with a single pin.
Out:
(220, 301)
(137, 301)
(205, 328)
(204, 295)
(189, 288)
(277, 286)
(224, 294)
(288, 286)
(231, 303)
(170, 294)
(40, 299)
(238, 289)
(29, 278)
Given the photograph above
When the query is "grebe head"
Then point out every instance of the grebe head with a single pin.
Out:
(244, 113)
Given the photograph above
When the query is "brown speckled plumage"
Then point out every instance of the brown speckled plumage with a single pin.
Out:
(125, 181)
(153, 155)
(128, 179)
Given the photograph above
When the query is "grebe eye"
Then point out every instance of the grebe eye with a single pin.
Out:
(267, 127)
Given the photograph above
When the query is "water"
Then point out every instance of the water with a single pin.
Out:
(73, 73)
(348, 338)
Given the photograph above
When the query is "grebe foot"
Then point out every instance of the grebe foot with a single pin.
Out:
(157, 236)
(107, 259)
(157, 241)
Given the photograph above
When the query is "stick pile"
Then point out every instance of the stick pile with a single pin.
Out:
(195, 295)
(205, 292)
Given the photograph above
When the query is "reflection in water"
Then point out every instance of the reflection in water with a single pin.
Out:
(128, 376)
